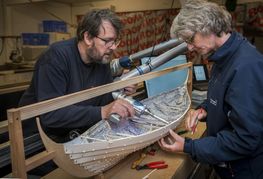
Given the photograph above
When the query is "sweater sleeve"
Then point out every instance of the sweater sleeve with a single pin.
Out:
(246, 100)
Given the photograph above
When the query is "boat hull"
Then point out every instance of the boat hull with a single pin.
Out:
(96, 154)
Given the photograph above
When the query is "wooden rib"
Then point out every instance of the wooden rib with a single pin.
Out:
(66, 100)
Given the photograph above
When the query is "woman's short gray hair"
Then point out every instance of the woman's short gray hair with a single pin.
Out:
(203, 17)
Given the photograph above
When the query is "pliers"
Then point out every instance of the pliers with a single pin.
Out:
(153, 165)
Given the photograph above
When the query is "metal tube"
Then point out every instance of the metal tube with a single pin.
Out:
(160, 47)
(156, 62)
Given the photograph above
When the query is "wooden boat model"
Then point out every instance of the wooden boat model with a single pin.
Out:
(106, 143)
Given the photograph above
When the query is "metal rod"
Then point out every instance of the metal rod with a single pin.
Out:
(157, 117)
(156, 62)
(160, 47)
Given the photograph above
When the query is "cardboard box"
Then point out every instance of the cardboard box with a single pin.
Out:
(31, 53)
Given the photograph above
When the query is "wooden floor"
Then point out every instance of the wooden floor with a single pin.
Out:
(180, 165)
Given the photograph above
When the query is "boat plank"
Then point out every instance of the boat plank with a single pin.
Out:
(180, 165)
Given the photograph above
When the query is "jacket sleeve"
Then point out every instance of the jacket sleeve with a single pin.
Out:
(246, 100)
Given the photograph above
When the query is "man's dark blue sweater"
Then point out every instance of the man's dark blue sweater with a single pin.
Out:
(60, 71)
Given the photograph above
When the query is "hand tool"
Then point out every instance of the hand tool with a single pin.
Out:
(137, 105)
(153, 165)
(137, 162)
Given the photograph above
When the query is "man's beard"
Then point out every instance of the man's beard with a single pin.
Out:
(94, 56)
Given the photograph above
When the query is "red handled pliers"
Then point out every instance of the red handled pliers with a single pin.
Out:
(153, 165)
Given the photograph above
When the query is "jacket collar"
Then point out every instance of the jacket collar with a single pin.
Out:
(223, 53)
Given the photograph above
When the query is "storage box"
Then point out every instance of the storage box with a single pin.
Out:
(54, 26)
(35, 39)
(31, 53)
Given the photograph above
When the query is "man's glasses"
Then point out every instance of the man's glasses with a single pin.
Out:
(110, 43)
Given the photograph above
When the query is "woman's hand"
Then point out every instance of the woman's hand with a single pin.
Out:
(176, 142)
(192, 118)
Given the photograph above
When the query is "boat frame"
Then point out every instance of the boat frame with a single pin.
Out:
(20, 165)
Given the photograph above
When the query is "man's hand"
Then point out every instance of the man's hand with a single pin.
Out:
(176, 143)
(119, 106)
(130, 89)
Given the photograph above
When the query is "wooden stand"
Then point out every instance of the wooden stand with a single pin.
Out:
(20, 165)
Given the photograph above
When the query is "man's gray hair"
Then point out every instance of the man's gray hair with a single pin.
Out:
(203, 17)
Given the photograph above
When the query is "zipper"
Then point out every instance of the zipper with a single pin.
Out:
(231, 170)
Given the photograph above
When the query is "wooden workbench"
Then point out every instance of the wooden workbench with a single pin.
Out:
(180, 165)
